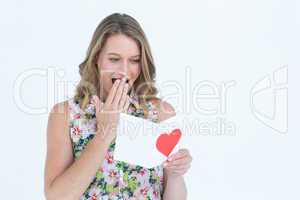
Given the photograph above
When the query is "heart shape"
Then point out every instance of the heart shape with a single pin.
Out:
(165, 143)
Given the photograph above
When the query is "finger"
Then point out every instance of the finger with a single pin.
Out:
(183, 150)
(176, 155)
(180, 161)
(97, 103)
(126, 106)
(165, 164)
(118, 94)
(181, 153)
(178, 167)
(124, 97)
(112, 92)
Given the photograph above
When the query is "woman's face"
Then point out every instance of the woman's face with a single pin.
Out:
(120, 57)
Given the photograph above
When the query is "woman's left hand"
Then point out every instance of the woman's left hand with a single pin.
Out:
(178, 163)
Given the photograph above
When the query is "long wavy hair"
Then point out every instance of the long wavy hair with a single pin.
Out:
(116, 23)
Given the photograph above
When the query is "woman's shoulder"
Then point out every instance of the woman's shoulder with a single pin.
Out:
(65, 108)
(58, 121)
(61, 108)
(164, 109)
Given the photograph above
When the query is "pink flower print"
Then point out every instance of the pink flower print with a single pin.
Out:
(101, 169)
(112, 173)
(142, 172)
(155, 193)
(94, 197)
(144, 191)
(161, 180)
(109, 159)
(76, 131)
(130, 110)
(77, 116)
(94, 192)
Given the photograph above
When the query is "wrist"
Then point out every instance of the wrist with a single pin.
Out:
(174, 177)
(103, 139)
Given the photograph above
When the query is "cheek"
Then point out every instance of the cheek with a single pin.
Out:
(104, 80)
(105, 72)
(135, 71)
(106, 65)
(106, 69)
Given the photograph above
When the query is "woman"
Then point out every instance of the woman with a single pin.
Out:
(117, 75)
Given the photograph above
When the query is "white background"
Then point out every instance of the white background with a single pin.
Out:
(219, 41)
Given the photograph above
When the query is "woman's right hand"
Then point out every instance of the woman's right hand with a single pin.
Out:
(108, 113)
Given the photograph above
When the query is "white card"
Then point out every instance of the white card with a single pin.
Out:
(137, 139)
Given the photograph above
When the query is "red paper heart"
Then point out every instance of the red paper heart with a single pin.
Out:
(165, 143)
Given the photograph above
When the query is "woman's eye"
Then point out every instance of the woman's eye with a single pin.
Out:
(114, 59)
(136, 61)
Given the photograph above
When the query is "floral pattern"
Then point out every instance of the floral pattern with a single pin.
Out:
(115, 180)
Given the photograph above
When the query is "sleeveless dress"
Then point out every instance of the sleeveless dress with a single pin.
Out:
(115, 180)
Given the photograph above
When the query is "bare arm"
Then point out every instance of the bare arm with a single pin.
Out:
(173, 184)
(66, 179)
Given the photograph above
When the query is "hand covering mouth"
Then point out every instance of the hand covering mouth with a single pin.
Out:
(127, 81)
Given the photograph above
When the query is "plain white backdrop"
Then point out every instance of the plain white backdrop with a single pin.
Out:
(241, 56)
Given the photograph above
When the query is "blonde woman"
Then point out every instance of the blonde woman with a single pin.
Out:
(117, 75)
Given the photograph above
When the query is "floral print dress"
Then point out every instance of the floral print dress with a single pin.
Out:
(114, 179)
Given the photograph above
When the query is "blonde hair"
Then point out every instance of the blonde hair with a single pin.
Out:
(116, 23)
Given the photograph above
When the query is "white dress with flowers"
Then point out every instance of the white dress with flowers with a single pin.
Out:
(114, 179)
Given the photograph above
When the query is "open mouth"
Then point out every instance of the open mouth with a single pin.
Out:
(114, 79)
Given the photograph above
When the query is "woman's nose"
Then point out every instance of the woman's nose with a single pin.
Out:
(123, 68)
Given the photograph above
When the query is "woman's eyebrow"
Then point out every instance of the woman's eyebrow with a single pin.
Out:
(136, 56)
(114, 54)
